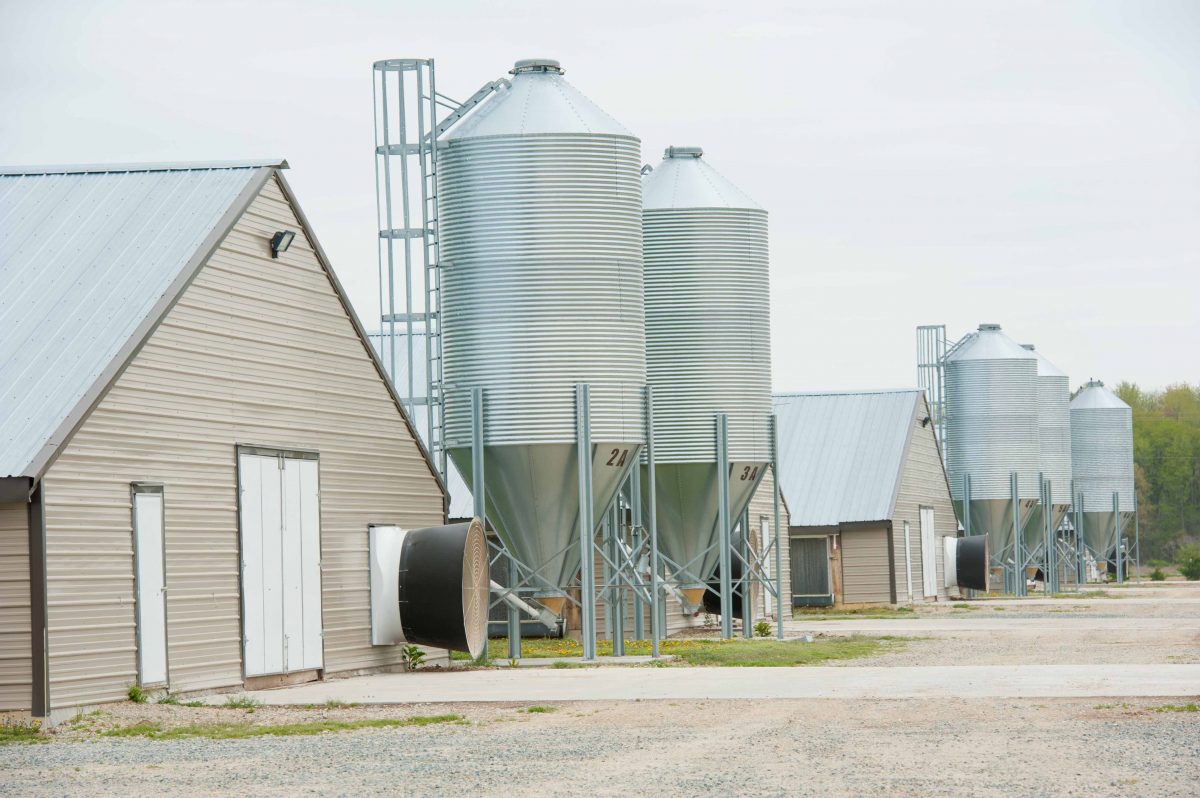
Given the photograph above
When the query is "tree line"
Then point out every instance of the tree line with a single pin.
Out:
(1166, 456)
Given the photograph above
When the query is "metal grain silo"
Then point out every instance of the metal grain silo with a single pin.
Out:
(539, 199)
(708, 350)
(1054, 446)
(991, 432)
(1102, 461)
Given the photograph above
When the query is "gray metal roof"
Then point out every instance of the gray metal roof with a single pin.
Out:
(90, 258)
(841, 454)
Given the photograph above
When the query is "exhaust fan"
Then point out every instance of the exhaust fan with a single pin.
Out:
(965, 563)
(430, 586)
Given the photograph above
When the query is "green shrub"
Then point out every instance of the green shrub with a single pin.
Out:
(1157, 575)
(1188, 559)
(136, 694)
(762, 629)
(412, 656)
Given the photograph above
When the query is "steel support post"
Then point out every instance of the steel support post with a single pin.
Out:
(616, 603)
(637, 537)
(1137, 542)
(747, 580)
(587, 532)
(966, 522)
(723, 525)
(656, 620)
(779, 605)
(1018, 548)
(479, 497)
(1080, 554)
(1050, 580)
(1117, 538)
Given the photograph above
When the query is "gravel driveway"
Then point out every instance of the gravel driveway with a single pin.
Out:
(806, 748)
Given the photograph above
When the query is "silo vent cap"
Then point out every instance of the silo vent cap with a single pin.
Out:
(683, 152)
(536, 65)
(989, 328)
(1027, 346)
(1094, 383)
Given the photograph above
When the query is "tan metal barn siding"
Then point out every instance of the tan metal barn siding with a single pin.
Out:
(865, 576)
(14, 607)
(762, 508)
(257, 351)
(922, 482)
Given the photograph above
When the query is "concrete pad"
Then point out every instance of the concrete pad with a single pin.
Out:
(987, 624)
(601, 684)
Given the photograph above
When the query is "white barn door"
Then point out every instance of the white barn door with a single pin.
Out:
(929, 568)
(150, 573)
(281, 563)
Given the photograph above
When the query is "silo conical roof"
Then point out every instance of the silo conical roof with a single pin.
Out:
(1045, 367)
(989, 343)
(540, 101)
(684, 180)
(1095, 396)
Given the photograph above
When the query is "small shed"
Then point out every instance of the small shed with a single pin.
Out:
(195, 435)
(868, 496)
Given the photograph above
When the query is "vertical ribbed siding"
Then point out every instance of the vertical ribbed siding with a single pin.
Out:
(1054, 434)
(922, 483)
(865, 577)
(14, 607)
(992, 426)
(541, 244)
(257, 351)
(1102, 457)
(708, 330)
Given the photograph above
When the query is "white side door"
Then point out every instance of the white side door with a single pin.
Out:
(302, 566)
(281, 564)
(929, 568)
(151, 594)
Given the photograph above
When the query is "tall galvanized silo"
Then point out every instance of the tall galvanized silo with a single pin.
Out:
(991, 432)
(539, 198)
(708, 350)
(1054, 446)
(1102, 461)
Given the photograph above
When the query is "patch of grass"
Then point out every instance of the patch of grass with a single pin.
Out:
(173, 700)
(737, 652)
(236, 731)
(242, 702)
(538, 710)
(19, 731)
(196, 703)
(963, 606)
(1000, 609)
(136, 694)
(831, 613)
(1176, 708)
(334, 703)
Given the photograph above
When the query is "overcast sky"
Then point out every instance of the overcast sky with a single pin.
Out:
(1035, 164)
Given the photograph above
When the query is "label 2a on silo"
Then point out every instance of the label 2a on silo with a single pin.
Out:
(617, 457)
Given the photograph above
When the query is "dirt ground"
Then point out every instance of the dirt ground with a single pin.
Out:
(807, 747)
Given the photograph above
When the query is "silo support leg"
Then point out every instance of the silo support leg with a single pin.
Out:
(723, 524)
(587, 541)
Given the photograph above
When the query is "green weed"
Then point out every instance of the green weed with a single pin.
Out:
(235, 731)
